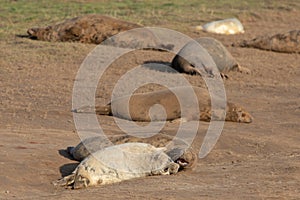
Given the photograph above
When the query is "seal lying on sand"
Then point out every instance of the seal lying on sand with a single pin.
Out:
(140, 104)
(91, 28)
(177, 149)
(100, 29)
(121, 162)
(282, 42)
(220, 55)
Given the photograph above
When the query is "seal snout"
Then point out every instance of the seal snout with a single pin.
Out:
(32, 32)
(245, 117)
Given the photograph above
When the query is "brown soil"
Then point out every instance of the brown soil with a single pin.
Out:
(260, 160)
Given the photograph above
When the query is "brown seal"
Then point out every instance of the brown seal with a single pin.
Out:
(140, 104)
(98, 29)
(91, 28)
(288, 42)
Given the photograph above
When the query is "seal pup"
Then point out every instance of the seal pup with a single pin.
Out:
(226, 26)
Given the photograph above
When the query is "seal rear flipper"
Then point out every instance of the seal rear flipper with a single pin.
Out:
(100, 110)
(103, 110)
(65, 181)
(84, 109)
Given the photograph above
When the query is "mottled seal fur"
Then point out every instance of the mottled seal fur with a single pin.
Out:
(176, 148)
(98, 29)
(288, 42)
(140, 104)
(92, 28)
(118, 163)
(220, 55)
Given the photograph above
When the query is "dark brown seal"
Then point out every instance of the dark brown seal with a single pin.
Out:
(288, 42)
(91, 28)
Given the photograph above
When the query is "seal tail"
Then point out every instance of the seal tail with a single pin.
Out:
(100, 110)
(103, 110)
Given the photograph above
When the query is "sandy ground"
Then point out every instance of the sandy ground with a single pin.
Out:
(260, 160)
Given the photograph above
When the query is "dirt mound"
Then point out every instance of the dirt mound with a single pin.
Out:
(282, 42)
(86, 29)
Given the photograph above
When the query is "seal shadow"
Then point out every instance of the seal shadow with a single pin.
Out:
(159, 66)
(67, 169)
(65, 153)
(25, 36)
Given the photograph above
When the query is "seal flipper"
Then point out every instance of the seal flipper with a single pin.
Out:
(65, 181)
(103, 110)
(100, 110)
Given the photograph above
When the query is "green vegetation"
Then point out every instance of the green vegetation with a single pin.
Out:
(16, 16)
